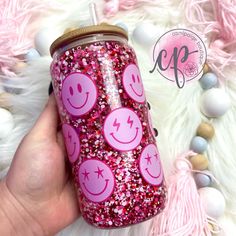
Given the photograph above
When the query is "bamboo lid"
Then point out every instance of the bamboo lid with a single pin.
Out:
(86, 31)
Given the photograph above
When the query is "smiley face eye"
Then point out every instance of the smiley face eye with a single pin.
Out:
(138, 78)
(133, 78)
(156, 156)
(99, 172)
(71, 91)
(116, 124)
(148, 158)
(130, 122)
(69, 136)
(79, 88)
(85, 174)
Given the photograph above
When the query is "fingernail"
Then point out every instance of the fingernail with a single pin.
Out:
(156, 132)
(149, 106)
(50, 89)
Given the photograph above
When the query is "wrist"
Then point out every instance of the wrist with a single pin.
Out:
(14, 218)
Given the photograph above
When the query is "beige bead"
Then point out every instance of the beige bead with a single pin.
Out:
(67, 30)
(206, 68)
(199, 162)
(211, 227)
(205, 130)
(19, 66)
(4, 100)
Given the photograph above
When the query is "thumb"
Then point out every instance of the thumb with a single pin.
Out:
(47, 123)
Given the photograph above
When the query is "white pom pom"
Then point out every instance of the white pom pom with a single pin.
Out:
(145, 34)
(6, 123)
(43, 40)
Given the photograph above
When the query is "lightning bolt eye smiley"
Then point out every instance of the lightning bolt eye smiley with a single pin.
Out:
(122, 129)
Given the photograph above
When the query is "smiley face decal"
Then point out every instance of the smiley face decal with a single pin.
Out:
(96, 180)
(79, 94)
(150, 166)
(72, 142)
(133, 84)
(122, 129)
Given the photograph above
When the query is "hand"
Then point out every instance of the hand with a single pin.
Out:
(37, 194)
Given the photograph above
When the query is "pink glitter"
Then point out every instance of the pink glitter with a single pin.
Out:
(133, 200)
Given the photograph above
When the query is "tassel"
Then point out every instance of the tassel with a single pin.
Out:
(184, 214)
(216, 19)
(226, 19)
(15, 30)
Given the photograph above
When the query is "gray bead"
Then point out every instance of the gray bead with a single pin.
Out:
(198, 144)
(202, 180)
(208, 80)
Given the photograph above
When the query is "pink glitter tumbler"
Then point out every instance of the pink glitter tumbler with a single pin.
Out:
(107, 128)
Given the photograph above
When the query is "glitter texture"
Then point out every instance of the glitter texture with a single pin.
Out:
(132, 200)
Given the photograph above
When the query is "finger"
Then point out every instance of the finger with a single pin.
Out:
(46, 125)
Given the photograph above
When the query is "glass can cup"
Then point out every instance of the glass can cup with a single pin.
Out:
(107, 127)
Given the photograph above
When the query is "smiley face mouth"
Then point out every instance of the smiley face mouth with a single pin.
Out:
(127, 142)
(71, 154)
(79, 107)
(153, 176)
(139, 95)
(101, 192)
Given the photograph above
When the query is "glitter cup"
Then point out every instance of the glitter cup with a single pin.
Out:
(107, 127)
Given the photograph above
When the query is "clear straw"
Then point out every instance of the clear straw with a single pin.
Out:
(93, 13)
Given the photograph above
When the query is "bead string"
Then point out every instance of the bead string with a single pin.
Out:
(205, 132)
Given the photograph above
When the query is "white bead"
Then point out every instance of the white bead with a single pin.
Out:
(214, 102)
(213, 201)
(145, 34)
(6, 123)
(31, 55)
(43, 40)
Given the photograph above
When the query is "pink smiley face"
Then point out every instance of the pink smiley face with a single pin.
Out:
(72, 142)
(123, 129)
(132, 83)
(96, 180)
(150, 166)
(79, 94)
